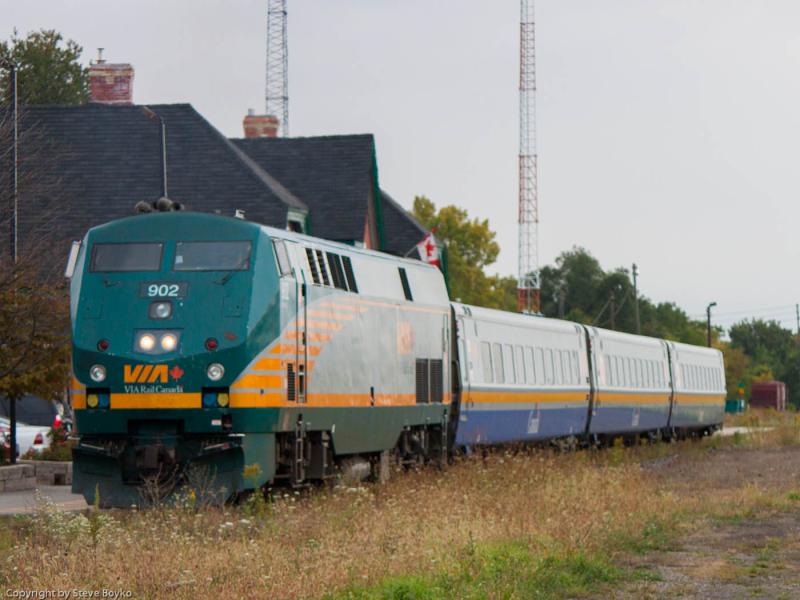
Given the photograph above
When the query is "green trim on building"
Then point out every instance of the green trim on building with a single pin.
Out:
(377, 200)
(302, 216)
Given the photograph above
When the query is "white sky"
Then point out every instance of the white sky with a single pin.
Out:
(668, 130)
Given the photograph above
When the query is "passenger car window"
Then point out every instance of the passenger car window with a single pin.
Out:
(540, 374)
(530, 372)
(548, 367)
(576, 371)
(508, 362)
(519, 364)
(497, 362)
(486, 361)
(557, 367)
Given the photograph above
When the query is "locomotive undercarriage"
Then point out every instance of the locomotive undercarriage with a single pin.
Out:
(149, 467)
(308, 457)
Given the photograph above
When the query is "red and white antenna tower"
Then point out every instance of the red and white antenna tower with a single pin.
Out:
(528, 299)
(277, 93)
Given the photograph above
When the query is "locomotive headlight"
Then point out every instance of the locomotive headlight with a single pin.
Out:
(97, 373)
(215, 371)
(169, 342)
(147, 342)
(160, 310)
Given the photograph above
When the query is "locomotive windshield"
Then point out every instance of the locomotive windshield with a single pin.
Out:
(212, 256)
(110, 258)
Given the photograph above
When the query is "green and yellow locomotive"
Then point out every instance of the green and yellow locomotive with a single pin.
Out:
(241, 355)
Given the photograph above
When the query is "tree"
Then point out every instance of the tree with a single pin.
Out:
(34, 333)
(48, 69)
(471, 247)
(737, 369)
(577, 288)
(772, 351)
(34, 308)
(765, 341)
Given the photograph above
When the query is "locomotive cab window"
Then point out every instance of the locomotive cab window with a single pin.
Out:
(113, 258)
(212, 256)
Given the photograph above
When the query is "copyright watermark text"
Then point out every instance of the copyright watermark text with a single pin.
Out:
(64, 594)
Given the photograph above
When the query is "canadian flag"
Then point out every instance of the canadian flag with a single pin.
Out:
(429, 250)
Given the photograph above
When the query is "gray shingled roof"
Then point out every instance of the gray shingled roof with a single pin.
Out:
(334, 175)
(98, 161)
(86, 165)
(401, 231)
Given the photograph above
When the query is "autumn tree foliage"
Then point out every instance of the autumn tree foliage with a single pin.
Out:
(34, 303)
(34, 332)
(471, 247)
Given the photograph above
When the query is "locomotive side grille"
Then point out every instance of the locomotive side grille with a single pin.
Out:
(312, 264)
(422, 377)
(321, 259)
(291, 389)
(404, 281)
(337, 273)
(437, 383)
(348, 271)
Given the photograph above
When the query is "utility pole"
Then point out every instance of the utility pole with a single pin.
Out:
(613, 311)
(797, 313)
(636, 300)
(528, 286)
(708, 322)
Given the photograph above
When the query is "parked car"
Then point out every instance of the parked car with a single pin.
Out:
(29, 437)
(32, 410)
(5, 445)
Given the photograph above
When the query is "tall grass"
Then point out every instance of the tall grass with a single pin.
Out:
(508, 524)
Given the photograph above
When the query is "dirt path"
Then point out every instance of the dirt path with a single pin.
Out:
(750, 556)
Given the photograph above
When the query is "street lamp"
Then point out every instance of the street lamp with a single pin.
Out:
(6, 63)
(708, 321)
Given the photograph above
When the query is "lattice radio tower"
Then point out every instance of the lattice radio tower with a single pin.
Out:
(277, 94)
(528, 296)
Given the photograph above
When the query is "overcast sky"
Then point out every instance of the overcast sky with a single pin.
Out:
(668, 130)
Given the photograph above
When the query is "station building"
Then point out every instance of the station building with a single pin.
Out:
(80, 166)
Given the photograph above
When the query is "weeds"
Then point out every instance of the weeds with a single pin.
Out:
(524, 524)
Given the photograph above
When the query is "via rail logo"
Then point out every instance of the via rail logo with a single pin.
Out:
(152, 379)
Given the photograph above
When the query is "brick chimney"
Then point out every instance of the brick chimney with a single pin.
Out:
(110, 83)
(256, 126)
